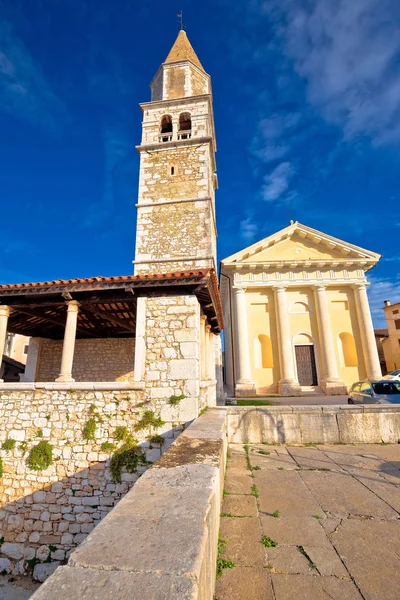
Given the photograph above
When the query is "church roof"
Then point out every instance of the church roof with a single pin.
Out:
(183, 50)
(334, 249)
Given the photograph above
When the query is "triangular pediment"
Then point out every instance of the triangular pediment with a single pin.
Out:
(298, 243)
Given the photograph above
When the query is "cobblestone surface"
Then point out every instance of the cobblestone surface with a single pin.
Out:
(328, 516)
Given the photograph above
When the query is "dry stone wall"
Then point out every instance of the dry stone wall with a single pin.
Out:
(45, 514)
(94, 360)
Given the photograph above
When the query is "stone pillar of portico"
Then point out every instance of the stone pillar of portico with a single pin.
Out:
(371, 357)
(67, 358)
(288, 384)
(208, 352)
(330, 382)
(4, 314)
(203, 350)
(244, 385)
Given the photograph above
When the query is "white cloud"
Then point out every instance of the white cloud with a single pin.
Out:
(25, 92)
(382, 289)
(269, 142)
(347, 54)
(248, 229)
(276, 184)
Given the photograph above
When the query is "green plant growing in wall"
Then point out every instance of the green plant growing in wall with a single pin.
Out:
(157, 439)
(121, 433)
(23, 446)
(8, 445)
(174, 400)
(89, 429)
(39, 433)
(1, 467)
(40, 457)
(149, 421)
(107, 447)
(129, 455)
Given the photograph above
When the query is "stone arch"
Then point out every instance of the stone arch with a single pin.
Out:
(349, 350)
(299, 307)
(166, 128)
(303, 339)
(185, 121)
(263, 357)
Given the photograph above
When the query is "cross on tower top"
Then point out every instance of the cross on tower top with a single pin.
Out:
(180, 16)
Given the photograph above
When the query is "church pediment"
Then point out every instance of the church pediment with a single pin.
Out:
(299, 243)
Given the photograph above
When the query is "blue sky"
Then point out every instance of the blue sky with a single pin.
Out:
(307, 110)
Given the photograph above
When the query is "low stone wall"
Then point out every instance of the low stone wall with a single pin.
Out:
(45, 514)
(366, 424)
(160, 542)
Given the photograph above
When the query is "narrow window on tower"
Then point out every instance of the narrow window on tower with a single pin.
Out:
(185, 126)
(172, 170)
(166, 129)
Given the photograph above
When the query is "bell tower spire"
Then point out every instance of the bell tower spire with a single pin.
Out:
(176, 227)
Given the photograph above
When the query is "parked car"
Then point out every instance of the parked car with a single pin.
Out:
(393, 375)
(383, 391)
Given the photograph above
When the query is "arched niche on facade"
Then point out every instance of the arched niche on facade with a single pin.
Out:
(298, 307)
(349, 350)
(302, 339)
(263, 358)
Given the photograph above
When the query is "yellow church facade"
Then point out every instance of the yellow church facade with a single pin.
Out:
(297, 317)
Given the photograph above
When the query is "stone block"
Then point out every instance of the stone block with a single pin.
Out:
(15, 551)
(189, 349)
(43, 571)
(17, 434)
(86, 584)
(183, 369)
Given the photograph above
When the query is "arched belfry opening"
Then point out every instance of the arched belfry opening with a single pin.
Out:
(166, 128)
(185, 126)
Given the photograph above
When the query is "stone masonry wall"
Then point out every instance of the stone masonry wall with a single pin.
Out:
(94, 360)
(45, 514)
(172, 363)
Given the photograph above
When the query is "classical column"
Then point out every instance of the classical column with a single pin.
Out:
(330, 382)
(4, 314)
(371, 357)
(208, 352)
(244, 384)
(69, 342)
(288, 385)
(211, 356)
(203, 351)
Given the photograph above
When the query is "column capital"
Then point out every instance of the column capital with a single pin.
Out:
(203, 318)
(319, 287)
(73, 306)
(239, 290)
(360, 286)
(279, 288)
(208, 328)
(4, 310)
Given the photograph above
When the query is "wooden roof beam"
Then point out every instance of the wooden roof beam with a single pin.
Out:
(104, 315)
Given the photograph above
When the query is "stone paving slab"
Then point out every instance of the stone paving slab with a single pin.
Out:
(371, 552)
(342, 495)
(306, 587)
(295, 531)
(244, 583)
(239, 506)
(336, 535)
(285, 491)
(243, 541)
(275, 459)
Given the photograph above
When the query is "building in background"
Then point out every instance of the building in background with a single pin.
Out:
(297, 317)
(391, 345)
(381, 335)
(13, 361)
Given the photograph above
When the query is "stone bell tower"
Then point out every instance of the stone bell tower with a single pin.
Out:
(176, 228)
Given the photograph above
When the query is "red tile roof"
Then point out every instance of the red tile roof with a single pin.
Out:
(112, 279)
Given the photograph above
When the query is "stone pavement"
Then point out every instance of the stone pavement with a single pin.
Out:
(311, 523)
(16, 588)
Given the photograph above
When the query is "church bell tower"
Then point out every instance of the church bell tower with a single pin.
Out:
(176, 228)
